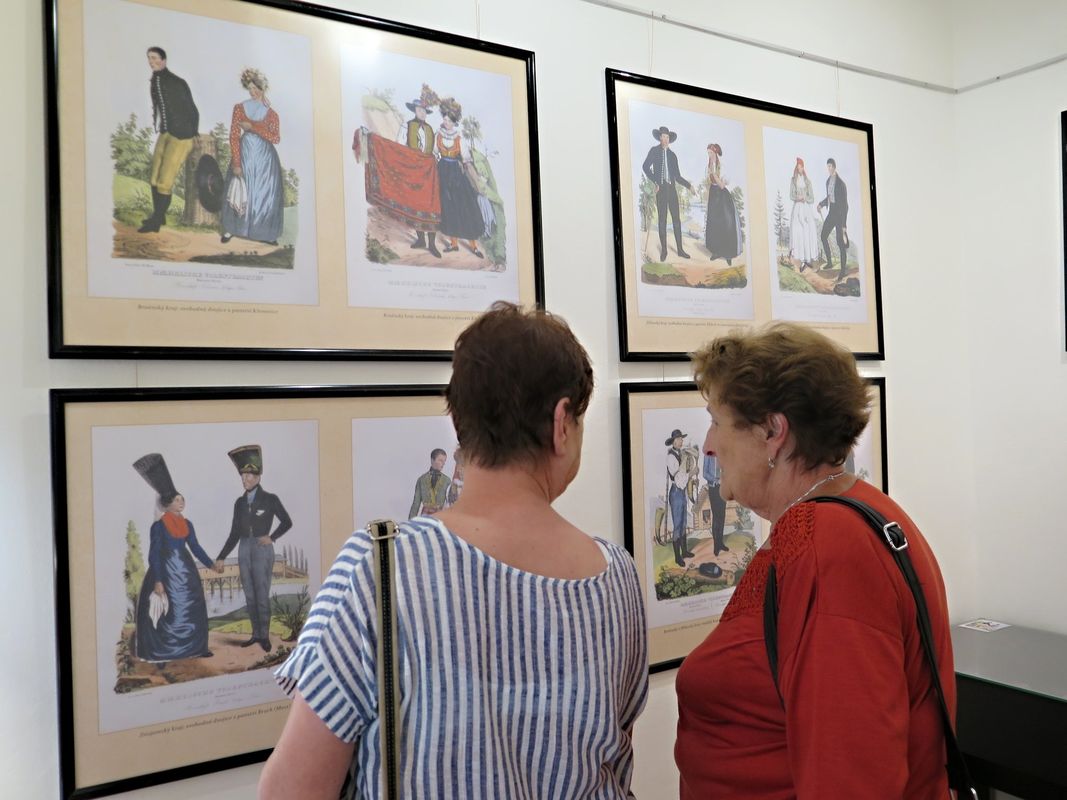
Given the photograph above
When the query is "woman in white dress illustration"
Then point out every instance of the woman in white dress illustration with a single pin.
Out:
(803, 228)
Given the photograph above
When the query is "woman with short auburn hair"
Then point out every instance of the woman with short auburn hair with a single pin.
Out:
(522, 641)
(510, 370)
(857, 714)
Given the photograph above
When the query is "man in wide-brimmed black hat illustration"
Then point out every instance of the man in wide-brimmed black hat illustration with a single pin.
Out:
(661, 167)
(254, 513)
(677, 478)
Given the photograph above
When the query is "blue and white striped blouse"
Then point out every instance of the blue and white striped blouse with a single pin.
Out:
(513, 685)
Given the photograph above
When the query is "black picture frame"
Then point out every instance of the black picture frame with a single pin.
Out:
(83, 325)
(78, 417)
(670, 643)
(689, 301)
(1063, 176)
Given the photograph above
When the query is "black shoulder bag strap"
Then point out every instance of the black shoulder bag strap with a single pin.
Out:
(890, 534)
(383, 534)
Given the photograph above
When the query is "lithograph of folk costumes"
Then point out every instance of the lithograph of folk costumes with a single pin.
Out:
(700, 268)
(155, 613)
(401, 465)
(179, 138)
(430, 184)
(187, 644)
(282, 180)
(808, 284)
(732, 229)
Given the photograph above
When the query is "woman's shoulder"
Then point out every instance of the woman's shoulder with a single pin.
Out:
(615, 554)
(833, 534)
(793, 534)
(354, 554)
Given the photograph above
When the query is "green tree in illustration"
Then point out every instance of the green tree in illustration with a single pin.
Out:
(291, 611)
(779, 219)
(471, 129)
(133, 569)
(739, 204)
(291, 190)
(131, 149)
(221, 136)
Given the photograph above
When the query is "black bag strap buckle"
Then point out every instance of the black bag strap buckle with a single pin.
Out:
(894, 536)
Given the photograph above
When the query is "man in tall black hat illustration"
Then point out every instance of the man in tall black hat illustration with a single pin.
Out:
(661, 167)
(254, 513)
(418, 135)
(176, 119)
(677, 478)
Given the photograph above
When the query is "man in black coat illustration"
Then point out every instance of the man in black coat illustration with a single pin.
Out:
(176, 119)
(661, 167)
(254, 513)
(836, 201)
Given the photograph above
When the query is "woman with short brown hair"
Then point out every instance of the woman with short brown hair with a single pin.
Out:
(857, 715)
(522, 641)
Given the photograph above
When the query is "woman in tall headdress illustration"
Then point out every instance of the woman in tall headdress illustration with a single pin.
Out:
(171, 609)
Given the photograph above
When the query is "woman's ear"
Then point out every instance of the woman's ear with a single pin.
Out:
(560, 415)
(776, 428)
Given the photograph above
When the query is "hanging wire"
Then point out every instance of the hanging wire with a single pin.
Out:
(802, 54)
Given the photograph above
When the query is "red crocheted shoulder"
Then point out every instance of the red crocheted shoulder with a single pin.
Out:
(792, 534)
(790, 537)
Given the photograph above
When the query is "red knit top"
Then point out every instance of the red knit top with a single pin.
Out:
(268, 128)
(861, 717)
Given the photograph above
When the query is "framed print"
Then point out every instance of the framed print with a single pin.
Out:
(193, 530)
(272, 179)
(691, 546)
(731, 212)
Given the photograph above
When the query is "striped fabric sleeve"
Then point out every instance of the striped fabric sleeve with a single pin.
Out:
(333, 665)
(633, 680)
(638, 668)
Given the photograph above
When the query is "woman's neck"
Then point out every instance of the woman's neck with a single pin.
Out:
(507, 513)
(522, 485)
(802, 484)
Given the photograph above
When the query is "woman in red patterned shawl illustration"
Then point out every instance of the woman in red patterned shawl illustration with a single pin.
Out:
(255, 191)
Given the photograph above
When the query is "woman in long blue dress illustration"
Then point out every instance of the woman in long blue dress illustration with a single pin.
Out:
(171, 608)
(253, 204)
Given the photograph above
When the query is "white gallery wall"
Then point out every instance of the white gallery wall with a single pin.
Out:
(969, 216)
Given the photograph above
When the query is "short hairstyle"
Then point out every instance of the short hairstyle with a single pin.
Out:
(832, 163)
(510, 368)
(437, 451)
(793, 370)
(159, 50)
